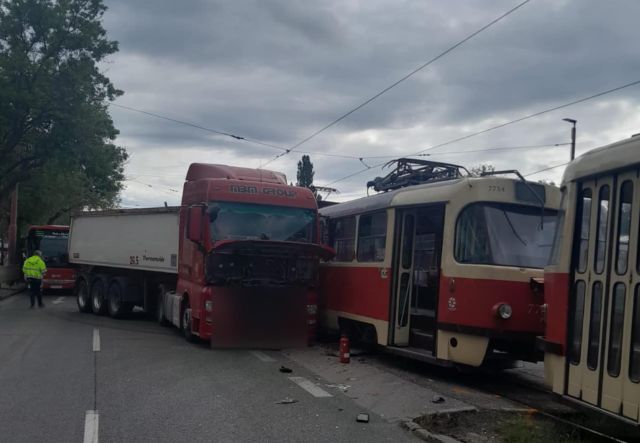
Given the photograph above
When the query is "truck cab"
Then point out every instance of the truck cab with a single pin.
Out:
(248, 258)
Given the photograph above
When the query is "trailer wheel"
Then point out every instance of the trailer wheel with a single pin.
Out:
(185, 322)
(98, 293)
(82, 295)
(160, 313)
(116, 305)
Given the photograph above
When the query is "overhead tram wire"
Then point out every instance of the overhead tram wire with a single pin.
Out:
(546, 169)
(396, 83)
(227, 134)
(203, 128)
(502, 125)
(505, 148)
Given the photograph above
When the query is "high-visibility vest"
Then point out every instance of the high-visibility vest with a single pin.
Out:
(34, 267)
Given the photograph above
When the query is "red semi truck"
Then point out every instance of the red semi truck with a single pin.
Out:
(236, 263)
(52, 241)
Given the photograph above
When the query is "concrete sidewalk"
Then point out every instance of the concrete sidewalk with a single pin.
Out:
(7, 291)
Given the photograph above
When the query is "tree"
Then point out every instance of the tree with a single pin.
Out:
(54, 101)
(544, 181)
(305, 172)
(478, 170)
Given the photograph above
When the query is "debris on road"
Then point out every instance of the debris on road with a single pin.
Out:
(343, 388)
(285, 370)
(287, 401)
(437, 399)
(362, 418)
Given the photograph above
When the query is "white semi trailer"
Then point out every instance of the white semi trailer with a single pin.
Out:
(123, 256)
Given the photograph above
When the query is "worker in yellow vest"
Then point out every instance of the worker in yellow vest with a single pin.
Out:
(33, 270)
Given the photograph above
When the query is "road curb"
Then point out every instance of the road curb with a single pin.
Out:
(426, 435)
(11, 294)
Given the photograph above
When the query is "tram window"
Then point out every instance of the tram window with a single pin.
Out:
(593, 349)
(554, 258)
(344, 238)
(578, 321)
(615, 334)
(504, 234)
(372, 237)
(585, 224)
(624, 227)
(634, 364)
(407, 241)
(601, 231)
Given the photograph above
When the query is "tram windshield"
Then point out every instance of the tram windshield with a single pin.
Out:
(505, 235)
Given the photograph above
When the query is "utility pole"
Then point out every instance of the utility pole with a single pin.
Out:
(573, 136)
(12, 250)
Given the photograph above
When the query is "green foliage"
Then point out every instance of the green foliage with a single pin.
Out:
(55, 129)
(65, 185)
(305, 172)
(477, 170)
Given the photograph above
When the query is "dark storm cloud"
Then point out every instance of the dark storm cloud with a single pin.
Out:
(278, 70)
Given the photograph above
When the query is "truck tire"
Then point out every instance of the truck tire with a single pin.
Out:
(116, 306)
(160, 314)
(98, 294)
(82, 295)
(185, 322)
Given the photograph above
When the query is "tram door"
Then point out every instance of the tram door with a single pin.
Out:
(418, 252)
(600, 348)
(404, 286)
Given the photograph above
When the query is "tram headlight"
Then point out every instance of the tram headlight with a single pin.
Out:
(504, 311)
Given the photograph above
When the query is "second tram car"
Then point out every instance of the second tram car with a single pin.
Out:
(448, 271)
(592, 341)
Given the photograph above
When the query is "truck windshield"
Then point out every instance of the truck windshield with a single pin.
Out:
(505, 235)
(248, 221)
(53, 247)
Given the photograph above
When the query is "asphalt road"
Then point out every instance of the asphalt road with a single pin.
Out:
(72, 377)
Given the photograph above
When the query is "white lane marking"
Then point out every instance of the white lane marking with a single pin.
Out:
(263, 357)
(96, 340)
(91, 427)
(58, 300)
(310, 387)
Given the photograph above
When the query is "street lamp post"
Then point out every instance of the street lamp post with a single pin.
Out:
(573, 136)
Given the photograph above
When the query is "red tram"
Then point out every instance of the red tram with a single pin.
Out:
(441, 266)
(592, 340)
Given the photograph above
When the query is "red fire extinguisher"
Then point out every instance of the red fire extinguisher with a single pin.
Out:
(344, 349)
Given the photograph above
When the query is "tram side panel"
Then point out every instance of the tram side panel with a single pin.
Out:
(358, 291)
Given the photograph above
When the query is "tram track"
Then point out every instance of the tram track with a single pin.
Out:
(527, 395)
(574, 417)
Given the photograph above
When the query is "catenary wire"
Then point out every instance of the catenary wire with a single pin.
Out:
(397, 82)
(193, 125)
(492, 128)
(546, 169)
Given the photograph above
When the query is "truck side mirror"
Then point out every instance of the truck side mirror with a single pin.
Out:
(194, 224)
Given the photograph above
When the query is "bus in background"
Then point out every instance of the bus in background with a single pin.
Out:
(592, 340)
(441, 266)
(52, 241)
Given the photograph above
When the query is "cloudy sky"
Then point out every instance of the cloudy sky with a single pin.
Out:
(276, 71)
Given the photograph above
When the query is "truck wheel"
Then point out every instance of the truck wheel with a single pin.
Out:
(98, 292)
(82, 295)
(185, 322)
(116, 305)
(160, 315)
